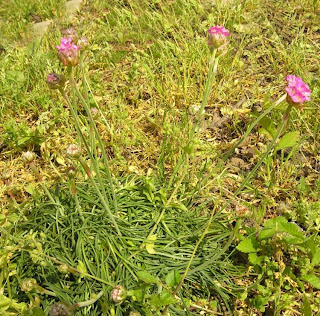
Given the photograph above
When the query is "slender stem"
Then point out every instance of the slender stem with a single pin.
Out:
(103, 200)
(174, 293)
(165, 207)
(245, 135)
(88, 302)
(88, 87)
(74, 270)
(243, 184)
(78, 206)
(213, 66)
(93, 124)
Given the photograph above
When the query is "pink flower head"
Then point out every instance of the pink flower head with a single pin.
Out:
(219, 30)
(297, 90)
(68, 52)
(218, 38)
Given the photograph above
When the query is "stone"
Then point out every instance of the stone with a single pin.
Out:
(72, 7)
(39, 29)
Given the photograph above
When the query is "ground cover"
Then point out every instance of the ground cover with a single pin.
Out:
(147, 64)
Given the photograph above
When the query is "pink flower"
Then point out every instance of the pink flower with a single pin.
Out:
(219, 30)
(118, 294)
(297, 90)
(68, 52)
(218, 38)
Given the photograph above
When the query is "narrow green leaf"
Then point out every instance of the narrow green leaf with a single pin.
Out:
(306, 307)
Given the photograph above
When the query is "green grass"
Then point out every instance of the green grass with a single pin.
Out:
(17, 16)
(147, 66)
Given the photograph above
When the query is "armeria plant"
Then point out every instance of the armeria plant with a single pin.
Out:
(129, 260)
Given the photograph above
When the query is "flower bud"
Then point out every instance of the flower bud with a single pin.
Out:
(70, 33)
(218, 37)
(94, 112)
(73, 151)
(83, 42)
(59, 309)
(28, 285)
(63, 268)
(28, 156)
(68, 52)
(55, 81)
(118, 294)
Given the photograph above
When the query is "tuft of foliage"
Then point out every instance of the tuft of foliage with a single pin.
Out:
(74, 259)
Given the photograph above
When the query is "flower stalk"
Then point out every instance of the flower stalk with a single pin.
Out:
(220, 35)
(102, 197)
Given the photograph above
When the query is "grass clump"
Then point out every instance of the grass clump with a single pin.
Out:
(75, 259)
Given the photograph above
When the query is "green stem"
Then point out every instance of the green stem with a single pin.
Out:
(78, 206)
(245, 135)
(88, 87)
(165, 206)
(213, 66)
(88, 302)
(103, 200)
(93, 124)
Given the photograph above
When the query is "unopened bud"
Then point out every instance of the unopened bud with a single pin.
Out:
(118, 294)
(83, 42)
(94, 112)
(59, 309)
(28, 156)
(28, 285)
(63, 268)
(73, 151)
(55, 81)
(69, 33)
